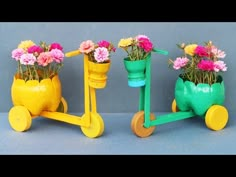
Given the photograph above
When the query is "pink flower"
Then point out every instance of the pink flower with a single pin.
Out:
(220, 66)
(57, 55)
(101, 54)
(103, 43)
(45, 58)
(206, 65)
(55, 46)
(113, 49)
(142, 37)
(35, 49)
(145, 43)
(180, 62)
(16, 54)
(87, 46)
(27, 59)
(106, 44)
(218, 53)
(201, 51)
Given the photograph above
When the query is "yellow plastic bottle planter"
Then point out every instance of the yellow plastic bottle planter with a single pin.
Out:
(98, 74)
(37, 96)
(32, 97)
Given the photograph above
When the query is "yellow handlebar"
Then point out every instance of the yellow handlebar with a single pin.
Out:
(72, 53)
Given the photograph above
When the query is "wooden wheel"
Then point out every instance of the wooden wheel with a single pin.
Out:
(137, 125)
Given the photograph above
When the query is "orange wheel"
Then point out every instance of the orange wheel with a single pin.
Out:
(174, 107)
(137, 125)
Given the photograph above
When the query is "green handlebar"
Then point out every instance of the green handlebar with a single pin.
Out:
(163, 52)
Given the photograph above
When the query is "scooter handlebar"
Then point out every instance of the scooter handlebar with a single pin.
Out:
(162, 52)
(72, 53)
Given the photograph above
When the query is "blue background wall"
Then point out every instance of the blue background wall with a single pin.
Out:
(117, 96)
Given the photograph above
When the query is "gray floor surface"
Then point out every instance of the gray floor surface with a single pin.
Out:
(183, 137)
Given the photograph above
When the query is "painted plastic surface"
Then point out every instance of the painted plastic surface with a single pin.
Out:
(216, 117)
(200, 97)
(63, 106)
(19, 118)
(37, 96)
(96, 127)
(136, 71)
(98, 74)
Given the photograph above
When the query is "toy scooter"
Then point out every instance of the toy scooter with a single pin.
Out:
(91, 122)
(144, 123)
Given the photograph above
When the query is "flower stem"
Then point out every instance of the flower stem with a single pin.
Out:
(36, 73)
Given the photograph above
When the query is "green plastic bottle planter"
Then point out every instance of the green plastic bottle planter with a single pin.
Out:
(136, 71)
(200, 97)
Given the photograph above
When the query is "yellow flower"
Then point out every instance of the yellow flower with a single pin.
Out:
(125, 42)
(26, 44)
(189, 49)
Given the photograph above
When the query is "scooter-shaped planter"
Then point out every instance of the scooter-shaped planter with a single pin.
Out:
(144, 123)
(91, 122)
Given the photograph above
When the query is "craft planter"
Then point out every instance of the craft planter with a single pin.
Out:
(136, 71)
(98, 74)
(198, 97)
(37, 96)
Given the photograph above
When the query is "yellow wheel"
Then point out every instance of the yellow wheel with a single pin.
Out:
(63, 107)
(216, 117)
(137, 125)
(174, 107)
(96, 127)
(19, 118)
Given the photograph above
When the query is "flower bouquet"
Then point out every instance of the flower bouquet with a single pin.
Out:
(200, 63)
(37, 62)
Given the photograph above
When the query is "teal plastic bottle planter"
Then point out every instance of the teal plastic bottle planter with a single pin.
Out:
(198, 97)
(136, 71)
